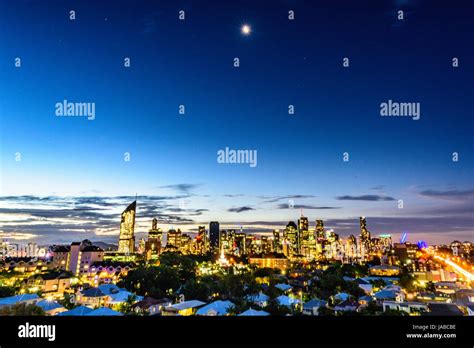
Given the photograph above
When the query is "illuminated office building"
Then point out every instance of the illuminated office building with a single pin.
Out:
(201, 240)
(240, 244)
(364, 235)
(277, 247)
(127, 230)
(291, 236)
(174, 238)
(214, 236)
(320, 230)
(153, 244)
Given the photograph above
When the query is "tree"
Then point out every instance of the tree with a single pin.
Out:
(406, 281)
(126, 307)
(68, 301)
(152, 281)
(274, 308)
(430, 286)
(325, 311)
(22, 309)
(372, 309)
(7, 291)
(197, 290)
(394, 312)
(185, 264)
(378, 283)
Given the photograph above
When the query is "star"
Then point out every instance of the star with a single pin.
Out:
(246, 30)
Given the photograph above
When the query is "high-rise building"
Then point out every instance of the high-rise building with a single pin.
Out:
(291, 236)
(153, 244)
(277, 246)
(240, 243)
(303, 224)
(320, 230)
(214, 235)
(82, 255)
(364, 234)
(201, 240)
(303, 233)
(174, 238)
(155, 232)
(127, 230)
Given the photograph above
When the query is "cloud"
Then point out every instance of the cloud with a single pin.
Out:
(182, 188)
(303, 206)
(240, 209)
(371, 198)
(279, 198)
(450, 195)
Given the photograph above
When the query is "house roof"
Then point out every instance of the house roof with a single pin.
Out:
(49, 305)
(18, 298)
(109, 289)
(220, 307)
(78, 311)
(284, 300)
(346, 304)
(366, 298)
(342, 296)
(385, 294)
(315, 302)
(283, 287)
(103, 311)
(148, 301)
(253, 313)
(92, 292)
(260, 297)
(362, 281)
(187, 304)
(122, 296)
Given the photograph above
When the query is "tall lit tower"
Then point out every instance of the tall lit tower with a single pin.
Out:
(214, 235)
(320, 230)
(127, 230)
(364, 234)
(291, 236)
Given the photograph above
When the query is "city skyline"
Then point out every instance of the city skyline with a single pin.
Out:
(66, 179)
(344, 227)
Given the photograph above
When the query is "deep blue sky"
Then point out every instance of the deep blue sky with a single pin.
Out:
(282, 62)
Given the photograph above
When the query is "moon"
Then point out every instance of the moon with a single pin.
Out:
(246, 30)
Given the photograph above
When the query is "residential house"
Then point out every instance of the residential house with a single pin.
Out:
(312, 306)
(216, 308)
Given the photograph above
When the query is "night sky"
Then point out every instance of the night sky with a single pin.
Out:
(72, 181)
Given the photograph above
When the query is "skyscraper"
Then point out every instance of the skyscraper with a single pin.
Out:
(364, 234)
(155, 232)
(153, 244)
(320, 230)
(291, 235)
(174, 238)
(127, 230)
(214, 235)
(303, 232)
(277, 247)
(201, 240)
